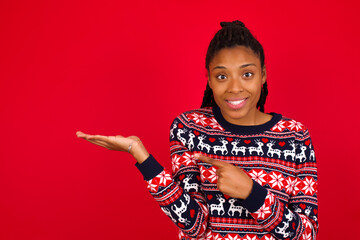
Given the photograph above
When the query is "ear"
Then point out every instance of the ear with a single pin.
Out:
(263, 78)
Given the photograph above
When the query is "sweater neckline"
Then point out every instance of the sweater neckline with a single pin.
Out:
(242, 129)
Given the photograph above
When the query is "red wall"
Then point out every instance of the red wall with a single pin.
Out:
(112, 67)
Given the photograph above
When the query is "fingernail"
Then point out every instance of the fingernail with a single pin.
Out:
(196, 156)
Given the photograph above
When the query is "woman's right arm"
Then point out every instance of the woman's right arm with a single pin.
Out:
(132, 144)
(179, 194)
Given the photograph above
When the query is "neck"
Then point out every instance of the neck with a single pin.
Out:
(253, 118)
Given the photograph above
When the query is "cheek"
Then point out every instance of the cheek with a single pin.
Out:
(217, 91)
(214, 88)
(255, 88)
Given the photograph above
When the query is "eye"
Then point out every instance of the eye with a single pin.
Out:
(221, 77)
(248, 74)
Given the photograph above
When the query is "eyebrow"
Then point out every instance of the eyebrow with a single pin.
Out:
(242, 66)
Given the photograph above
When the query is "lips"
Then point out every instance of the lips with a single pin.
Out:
(236, 103)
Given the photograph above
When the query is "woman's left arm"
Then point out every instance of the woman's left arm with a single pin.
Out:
(295, 220)
(298, 219)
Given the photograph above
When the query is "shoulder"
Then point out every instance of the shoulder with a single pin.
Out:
(195, 113)
(202, 118)
(204, 111)
(287, 124)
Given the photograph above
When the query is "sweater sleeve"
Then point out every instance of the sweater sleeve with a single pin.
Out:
(297, 219)
(178, 192)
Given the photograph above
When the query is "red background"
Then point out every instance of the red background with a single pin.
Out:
(112, 67)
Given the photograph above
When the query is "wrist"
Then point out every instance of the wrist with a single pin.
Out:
(256, 198)
(139, 152)
(249, 190)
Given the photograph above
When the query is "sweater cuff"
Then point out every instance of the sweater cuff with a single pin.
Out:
(150, 168)
(256, 198)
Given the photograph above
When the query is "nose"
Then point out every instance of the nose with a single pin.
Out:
(235, 86)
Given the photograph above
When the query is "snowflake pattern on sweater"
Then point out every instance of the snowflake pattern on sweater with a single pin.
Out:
(277, 155)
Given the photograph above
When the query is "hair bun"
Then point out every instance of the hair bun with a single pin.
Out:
(233, 23)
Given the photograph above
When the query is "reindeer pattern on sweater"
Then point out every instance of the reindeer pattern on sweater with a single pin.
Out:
(277, 155)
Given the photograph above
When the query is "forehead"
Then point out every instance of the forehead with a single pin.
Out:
(235, 55)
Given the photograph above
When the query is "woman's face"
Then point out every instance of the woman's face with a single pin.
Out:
(236, 78)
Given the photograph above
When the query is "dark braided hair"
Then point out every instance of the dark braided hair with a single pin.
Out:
(230, 35)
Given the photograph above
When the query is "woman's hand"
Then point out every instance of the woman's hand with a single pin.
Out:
(232, 181)
(119, 143)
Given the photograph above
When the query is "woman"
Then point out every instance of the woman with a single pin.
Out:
(237, 172)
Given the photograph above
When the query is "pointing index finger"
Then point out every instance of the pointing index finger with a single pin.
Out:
(209, 160)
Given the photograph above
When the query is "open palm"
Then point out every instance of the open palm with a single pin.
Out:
(117, 143)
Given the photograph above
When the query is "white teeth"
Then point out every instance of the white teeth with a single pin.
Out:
(236, 102)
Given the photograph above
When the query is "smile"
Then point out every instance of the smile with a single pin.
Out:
(236, 104)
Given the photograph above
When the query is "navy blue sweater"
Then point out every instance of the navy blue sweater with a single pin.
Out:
(278, 155)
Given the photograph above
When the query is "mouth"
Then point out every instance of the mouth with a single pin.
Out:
(236, 103)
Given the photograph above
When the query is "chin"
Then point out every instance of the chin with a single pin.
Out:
(235, 113)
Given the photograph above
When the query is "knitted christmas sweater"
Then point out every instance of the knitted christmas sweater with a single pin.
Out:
(277, 155)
